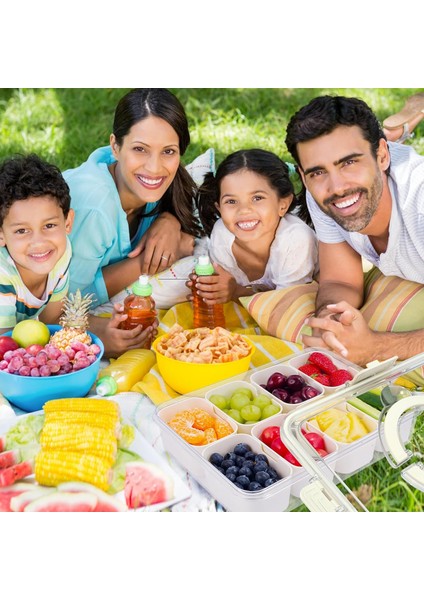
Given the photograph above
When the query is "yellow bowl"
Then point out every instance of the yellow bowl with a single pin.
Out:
(185, 377)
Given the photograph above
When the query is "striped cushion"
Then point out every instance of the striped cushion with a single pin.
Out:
(391, 304)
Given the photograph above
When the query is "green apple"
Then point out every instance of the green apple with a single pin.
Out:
(29, 332)
(269, 411)
(219, 401)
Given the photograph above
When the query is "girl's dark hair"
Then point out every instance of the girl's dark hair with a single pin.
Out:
(262, 162)
(137, 105)
(29, 176)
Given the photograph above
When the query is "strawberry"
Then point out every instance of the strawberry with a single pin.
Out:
(310, 369)
(323, 379)
(323, 362)
(340, 377)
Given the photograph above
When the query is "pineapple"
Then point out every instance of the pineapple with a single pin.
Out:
(74, 321)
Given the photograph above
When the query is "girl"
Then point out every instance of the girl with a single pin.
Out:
(256, 243)
(133, 203)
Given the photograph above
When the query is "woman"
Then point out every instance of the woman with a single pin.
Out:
(133, 203)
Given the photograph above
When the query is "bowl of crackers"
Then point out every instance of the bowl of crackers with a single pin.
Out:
(190, 359)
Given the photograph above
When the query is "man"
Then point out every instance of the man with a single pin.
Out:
(366, 199)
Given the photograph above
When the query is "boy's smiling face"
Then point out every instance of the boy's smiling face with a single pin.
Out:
(34, 232)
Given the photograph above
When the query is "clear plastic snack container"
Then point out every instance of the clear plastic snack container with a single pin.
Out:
(319, 481)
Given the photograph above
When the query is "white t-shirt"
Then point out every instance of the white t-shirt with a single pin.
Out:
(404, 256)
(292, 260)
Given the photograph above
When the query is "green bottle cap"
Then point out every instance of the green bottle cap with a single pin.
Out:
(204, 266)
(106, 386)
(142, 287)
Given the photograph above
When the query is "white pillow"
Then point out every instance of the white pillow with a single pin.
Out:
(202, 165)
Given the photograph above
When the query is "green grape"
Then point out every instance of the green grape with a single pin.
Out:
(269, 411)
(236, 415)
(238, 400)
(243, 390)
(219, 401)
(261, 401)
(251, 413)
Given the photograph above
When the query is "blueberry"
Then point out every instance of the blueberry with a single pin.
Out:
(237, 484)
(233, 469)
(273, 473)
(248, 464)
(261, 477)
(230, 456)
(270, 481)
(239, 461)
(243, 481)
(259, 466)
(250, 455)
(254, 486)
(261, 458)
(246, 471)
(241, 449)
(231, 476)
(227, 463)
(216, 458)
(220, 469)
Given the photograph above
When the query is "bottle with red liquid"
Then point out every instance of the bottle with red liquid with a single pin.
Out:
(206, 315)
(140, 307)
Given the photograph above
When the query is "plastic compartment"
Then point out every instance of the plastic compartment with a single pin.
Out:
(341, 363)
(274, 498)
(228, 389)
(300, 476)
(357, 454)
(169, 410)
(261, 377)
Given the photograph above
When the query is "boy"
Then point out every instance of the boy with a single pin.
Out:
(35, 219)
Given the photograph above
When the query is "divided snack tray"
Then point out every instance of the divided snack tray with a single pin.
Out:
(343, 459)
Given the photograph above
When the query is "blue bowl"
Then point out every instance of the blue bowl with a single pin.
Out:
(30, 393)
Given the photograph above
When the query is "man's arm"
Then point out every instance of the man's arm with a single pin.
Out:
(341, 276)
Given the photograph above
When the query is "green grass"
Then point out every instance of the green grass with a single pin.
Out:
(65, 125)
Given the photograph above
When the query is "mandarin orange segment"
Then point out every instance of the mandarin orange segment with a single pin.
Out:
(202, 419)
(222, 428)
(210, 435)
(182, 423)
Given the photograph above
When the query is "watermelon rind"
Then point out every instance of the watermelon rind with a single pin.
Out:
(105, 502)
(18, 503)
(63, 502)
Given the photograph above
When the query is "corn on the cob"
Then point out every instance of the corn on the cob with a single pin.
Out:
(56, 466)
(82, 404)
(93, 419)
(79, 438)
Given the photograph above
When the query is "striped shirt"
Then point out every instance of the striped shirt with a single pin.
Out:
(404, 256)
(16, 301)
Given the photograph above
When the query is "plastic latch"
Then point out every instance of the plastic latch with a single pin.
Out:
(393, 443)
(414, 475)
(373, 368)
(317, 499)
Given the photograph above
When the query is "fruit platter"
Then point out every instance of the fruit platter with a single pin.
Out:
(249, 465)
(82, 455)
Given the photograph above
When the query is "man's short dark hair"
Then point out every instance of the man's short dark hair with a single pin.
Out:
(23, 177)
(323, 114)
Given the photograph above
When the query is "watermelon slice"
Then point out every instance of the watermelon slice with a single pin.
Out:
(11, 474)
(7, 493)
(105, 502)
(63, 502)
(9, 458)
(18, 503)
(146, 484)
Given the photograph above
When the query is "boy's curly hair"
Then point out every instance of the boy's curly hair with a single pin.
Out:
(23, 177)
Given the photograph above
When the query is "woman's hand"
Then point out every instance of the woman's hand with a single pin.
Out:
(162, 244)
(215, 289)
(117, 341)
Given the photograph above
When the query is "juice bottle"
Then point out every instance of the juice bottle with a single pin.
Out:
(206, 315)
(106, 386)
(140, 307)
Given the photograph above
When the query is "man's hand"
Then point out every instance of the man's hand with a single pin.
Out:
(343, 329)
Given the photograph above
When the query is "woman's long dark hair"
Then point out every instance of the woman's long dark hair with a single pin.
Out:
(264, 163)
(137, 105)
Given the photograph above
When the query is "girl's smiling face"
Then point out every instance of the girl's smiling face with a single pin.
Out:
(147, 162)
(250, 208)
(34, 232)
